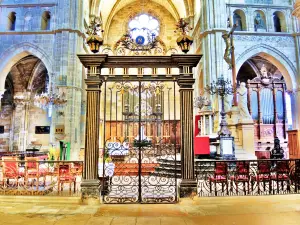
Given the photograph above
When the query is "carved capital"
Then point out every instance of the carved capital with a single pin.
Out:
(93, 83)
(186, 83)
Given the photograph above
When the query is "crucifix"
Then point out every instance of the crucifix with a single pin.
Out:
(229, 56)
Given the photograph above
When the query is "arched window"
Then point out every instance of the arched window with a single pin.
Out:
(45, 23)
(11, 23)
(259, 21)
(143, 27)
(279, 22)
(239, 19)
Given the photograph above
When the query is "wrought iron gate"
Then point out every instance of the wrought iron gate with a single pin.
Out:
(141, 137)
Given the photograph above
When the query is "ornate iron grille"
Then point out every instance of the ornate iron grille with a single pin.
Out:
(250, 177)
(140, 132)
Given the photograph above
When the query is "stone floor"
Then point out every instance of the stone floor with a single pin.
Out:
(262, 210)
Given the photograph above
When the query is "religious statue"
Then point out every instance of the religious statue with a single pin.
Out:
(258, 22)
(229, 45)
(227, 103)
(228, 49)
(242, 105)
(264, 72)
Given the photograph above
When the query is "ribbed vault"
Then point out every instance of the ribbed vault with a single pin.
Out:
(108, 8)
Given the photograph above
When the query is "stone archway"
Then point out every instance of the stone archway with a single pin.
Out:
(16, 53)
(284, 65)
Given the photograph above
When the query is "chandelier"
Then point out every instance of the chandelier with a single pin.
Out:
(49, 100)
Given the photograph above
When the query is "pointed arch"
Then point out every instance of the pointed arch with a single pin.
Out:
(17, 52)
(276, 57)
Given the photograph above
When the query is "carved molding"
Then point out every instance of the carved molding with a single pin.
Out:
(283, 41)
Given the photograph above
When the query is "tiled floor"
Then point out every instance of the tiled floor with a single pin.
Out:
(262, 210)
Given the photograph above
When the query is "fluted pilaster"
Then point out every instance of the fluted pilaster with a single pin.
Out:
(90, 184)
(188, 184)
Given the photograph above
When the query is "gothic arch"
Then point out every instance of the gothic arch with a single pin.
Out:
(276, 57)
(17, 52)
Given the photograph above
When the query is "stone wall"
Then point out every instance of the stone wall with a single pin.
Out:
(57, 49)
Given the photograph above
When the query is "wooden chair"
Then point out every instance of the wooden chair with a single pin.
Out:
(241, 176)
(281, 175)
(220, 176)
(263, 175)
(33, 171)
(65, 175)
(10, 170)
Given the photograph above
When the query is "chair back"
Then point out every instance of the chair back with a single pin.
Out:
(10, 166)
(64, 170)
(31, 163)
(221, 168)
(282, 167)
(242, 168)
(264, 167)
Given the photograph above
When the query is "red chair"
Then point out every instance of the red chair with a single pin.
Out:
(10, 170)
(219, 177)
(242, 175)
(263, 175)
(66, 176)
(281, 175)
(33, 171)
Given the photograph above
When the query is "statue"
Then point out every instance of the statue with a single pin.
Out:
(264, 72)
(242, 105)
(277, 152)
(227, 103)
(258, 22)
(229, 46)
(228, 49)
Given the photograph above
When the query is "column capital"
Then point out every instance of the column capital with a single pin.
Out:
(93, 83)
(186, 82)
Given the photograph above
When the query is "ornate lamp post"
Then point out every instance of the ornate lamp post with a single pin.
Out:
(184, 41)
(94, 40)
(222, 88)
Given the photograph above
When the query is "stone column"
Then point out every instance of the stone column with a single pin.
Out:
(90, 186)
(188, 184)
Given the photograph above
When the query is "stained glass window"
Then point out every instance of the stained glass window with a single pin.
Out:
(143, 28)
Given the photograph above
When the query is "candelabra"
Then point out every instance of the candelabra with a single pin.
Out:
(222, 88)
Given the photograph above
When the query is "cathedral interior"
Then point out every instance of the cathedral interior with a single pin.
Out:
(149, 101)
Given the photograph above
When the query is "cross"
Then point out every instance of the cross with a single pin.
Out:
(229, 56)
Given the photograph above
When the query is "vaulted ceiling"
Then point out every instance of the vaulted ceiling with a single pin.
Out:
(108, 8)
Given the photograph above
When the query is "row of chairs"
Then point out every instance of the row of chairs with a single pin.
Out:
(32, 172)
(264, 174)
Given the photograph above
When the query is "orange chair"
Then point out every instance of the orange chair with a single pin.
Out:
(66, 176)
(10, 170)
(33, 170)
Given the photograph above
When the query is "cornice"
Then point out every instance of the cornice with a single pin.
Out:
(17, 5)
(42, 32)
(259, 6)
(173, 61)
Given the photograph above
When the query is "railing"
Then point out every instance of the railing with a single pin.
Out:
(249, 177)
(32, 177)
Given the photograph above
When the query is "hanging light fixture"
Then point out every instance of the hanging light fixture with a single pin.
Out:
(49, 100)
(94, 40)
(184, 41)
